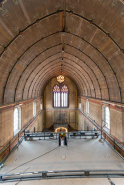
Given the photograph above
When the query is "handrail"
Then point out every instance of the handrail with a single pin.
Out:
(61, 131)
(5, 151)
(16, 140)
(62, 174)
(116, 144)
(90, 120)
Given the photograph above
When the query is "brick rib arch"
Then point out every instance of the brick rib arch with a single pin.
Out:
(93, 45)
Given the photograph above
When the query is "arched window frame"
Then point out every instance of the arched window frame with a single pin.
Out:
(41, 105)
(87, 107)
(106, 117)
(34, 108)
(65, 95)
(60, 98)
(79, 103)
(16, 119)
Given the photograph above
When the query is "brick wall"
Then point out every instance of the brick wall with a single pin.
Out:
(95, 113)
(83, 105)
(49, 118)
(123, 124)
(116, 124)
(6, 126)
(27, 113)
(38, 105)
(81, 121)
(84, 123)
(37, 124)
(52, 114)
(6, 119)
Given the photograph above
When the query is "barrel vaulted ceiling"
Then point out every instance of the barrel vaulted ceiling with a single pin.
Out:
(81, 39)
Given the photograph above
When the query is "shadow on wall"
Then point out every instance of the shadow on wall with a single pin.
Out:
(60, 117)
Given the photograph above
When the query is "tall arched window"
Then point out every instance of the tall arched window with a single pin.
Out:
(17, 118)
(34, 108)
(80, 103)
(60, 96)
(56, 92)
(41, 105)
(87, 107)
(106, 116)
(64, 96)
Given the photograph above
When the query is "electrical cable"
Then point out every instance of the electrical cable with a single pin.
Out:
(32, 160)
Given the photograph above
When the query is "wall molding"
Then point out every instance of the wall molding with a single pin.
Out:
(12, 105)
(113, 105)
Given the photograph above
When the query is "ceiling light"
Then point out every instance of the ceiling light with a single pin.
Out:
(63, 50)
(60, 78)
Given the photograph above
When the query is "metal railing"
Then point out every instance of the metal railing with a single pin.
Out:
(14, 142)
(62, 174)
(82, 134)
(116, 145)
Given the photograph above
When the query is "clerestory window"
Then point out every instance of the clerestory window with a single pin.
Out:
(17, 119)
(41, 105)
(34, 108)
(106, 117)
(87, 107)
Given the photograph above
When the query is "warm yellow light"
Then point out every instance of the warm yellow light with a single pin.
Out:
(60, 78)
(66, 130)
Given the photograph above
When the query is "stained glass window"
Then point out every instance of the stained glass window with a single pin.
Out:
(56, 91)
(60, 96)
(64, 95)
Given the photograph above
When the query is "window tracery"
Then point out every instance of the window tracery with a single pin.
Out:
(60, 96)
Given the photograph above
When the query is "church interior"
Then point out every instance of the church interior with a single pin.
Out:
(62, 92)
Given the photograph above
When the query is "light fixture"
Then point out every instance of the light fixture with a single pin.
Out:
(63, 50)
(60, 78)
(66, 130)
